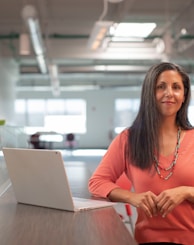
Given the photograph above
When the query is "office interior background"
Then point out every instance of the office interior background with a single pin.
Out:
(69, 66)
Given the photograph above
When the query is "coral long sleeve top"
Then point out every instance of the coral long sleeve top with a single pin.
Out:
(178, 225)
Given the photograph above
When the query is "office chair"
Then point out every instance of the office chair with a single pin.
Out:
(124, 183)
(70, 141)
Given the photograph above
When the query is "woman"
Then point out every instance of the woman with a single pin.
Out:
(157, 155)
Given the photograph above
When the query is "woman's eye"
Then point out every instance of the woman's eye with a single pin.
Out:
(160, 86)
(176, 87)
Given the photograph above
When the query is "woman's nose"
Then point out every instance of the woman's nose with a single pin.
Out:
(168, 91)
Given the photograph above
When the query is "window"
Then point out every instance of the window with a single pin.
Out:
(127, 109)
(59, 115)
(125, 112)
(66, 116)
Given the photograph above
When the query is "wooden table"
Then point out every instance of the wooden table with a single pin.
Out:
(22, 224)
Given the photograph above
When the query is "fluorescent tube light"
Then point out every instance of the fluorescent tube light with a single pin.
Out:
(42, 63)
(35, 36)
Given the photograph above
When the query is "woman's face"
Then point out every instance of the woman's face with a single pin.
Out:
(169, 93)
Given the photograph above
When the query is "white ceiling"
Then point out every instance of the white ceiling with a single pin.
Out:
(67, 24)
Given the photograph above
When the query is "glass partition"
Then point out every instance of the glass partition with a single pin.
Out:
(10, 136)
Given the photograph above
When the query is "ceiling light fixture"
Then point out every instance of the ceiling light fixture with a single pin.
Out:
(98, 34)
(101, 28)
(133, 30)
(29, 15)
(24, 43)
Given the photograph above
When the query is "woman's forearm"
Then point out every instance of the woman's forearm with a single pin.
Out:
(190, 194)
(145, 200)
(120, 195)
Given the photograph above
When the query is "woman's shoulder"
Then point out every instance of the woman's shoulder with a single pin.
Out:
(124, 133)
(187, 136)
(122, 137)
(187, 139)
(189, 132)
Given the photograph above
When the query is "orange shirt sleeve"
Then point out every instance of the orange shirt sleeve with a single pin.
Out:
(111, 167)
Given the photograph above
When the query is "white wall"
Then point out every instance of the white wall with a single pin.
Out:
(100, 112)
(100, 104)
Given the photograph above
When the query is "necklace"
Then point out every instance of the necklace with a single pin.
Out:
(170, 168)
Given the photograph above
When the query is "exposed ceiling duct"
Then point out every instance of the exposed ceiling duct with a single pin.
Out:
(30, 17)
(65, 27)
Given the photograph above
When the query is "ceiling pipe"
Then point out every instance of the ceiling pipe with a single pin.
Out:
(29, 15)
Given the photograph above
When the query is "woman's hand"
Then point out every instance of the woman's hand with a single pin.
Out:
(146, 201)
(152, 204)
(167, 200)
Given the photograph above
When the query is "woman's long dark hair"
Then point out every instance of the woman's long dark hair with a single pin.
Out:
(143, 134)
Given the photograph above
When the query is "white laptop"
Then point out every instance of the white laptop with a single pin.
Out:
(39, 178)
